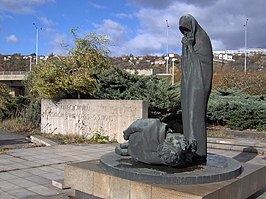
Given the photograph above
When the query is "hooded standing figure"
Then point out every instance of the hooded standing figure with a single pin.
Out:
(196, 82)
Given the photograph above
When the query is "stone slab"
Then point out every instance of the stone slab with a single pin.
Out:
(42, 140)
(59, 184)
(251, 180)
(87, 117)
(217, 168)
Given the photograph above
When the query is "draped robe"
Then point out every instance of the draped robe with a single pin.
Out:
(196, 81)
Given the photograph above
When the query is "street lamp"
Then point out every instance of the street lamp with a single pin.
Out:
(37, 41)
(173, 71)
(246, 27)
(167, 26)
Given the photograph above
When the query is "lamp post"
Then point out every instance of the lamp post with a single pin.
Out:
(37, 41)
(246, 27)
(173, 71)
(167, 57)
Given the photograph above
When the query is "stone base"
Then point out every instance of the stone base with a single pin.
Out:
(88, 178)
(216, 169)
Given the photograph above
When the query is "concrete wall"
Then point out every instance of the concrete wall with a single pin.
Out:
(140, 71)
(86, 117)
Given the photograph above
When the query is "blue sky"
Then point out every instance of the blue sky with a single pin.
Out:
(133, 26)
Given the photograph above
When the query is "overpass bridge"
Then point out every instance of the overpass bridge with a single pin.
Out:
(12, 75)
(14, 79)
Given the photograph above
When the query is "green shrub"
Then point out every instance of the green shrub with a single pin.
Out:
(26, 111)
(237, 110)
(6, 102)
(70, 76)
(164, 99)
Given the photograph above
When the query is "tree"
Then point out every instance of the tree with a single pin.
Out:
(71, 76)
(163, 98)
(6, 101)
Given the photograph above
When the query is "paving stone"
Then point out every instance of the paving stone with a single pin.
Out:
(18, 160)
(4, 168)
(51, 176)
(7, 176)
(22, 182)
(23, 193)
(38, 179)
(7, 186)
(20, 173)
(5, 195)
(49, 169)
(35, 171)
(43, 190)
(6, 161)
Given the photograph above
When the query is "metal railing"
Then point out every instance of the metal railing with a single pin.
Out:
(12, 73)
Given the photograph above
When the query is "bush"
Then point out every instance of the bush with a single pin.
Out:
(253, 83)
(237, 110)
(70, 76)
(164, 99)
(30, 114)
(6, 102)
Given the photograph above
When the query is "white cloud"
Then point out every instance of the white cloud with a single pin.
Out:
(21, 6)
(46, 21)
(12, 39)
(113, 30)
(117, 34)
(223, 20)
(152, 3)
(58, 42)
(124, 15)
(96, 5)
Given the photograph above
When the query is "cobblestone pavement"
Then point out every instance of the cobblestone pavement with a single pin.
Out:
(27, 173)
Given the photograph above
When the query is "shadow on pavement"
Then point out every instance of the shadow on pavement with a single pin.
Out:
(246, 155)
(12, 141)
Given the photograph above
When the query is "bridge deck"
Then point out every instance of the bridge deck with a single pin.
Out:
(12, 75)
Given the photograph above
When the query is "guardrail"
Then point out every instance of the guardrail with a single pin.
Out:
(12, 75)
(13, 72)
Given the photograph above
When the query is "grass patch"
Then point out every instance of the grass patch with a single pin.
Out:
(3, 151)
(16, 126)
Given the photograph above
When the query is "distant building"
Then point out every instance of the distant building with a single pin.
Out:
(159, 61)
(140, 71)
(251, 51)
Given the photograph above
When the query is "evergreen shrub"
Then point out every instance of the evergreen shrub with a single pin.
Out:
(237, 110)
(163, 98)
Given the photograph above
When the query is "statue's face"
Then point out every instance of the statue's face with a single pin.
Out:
(184, 30)
(171, 150)
(176, 140)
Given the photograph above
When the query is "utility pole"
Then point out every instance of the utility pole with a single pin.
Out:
(30, 63)
(246, 27)
(37, 41)
(173, 71)
(167, 56)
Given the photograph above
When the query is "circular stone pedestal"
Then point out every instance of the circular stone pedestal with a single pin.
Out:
(218, 168)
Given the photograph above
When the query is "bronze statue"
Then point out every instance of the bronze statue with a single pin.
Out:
(196, 82)
(151, 141)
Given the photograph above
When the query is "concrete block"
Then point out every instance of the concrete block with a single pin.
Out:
(78, 178)
(140, 191)
(104, 185)
(119, 188)
(87, 117)
(101, 185)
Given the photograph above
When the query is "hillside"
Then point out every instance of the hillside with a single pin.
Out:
(18, 62)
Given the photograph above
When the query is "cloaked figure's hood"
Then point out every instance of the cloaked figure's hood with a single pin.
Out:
(187, 23)
(195, 34)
